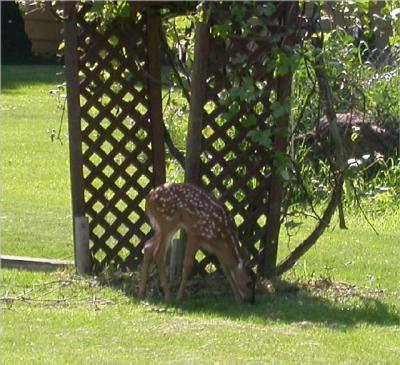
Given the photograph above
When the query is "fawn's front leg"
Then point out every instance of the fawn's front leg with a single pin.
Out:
(191, 248)
(148, 255)
(160, 258)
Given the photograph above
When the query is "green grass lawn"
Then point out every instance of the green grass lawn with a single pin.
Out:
(356, 255)
(346, 311)
(62, 319)
(35, 196)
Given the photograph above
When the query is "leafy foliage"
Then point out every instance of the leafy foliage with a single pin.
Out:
(361, 82)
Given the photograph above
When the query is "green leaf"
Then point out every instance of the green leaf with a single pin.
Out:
(248, 84)
(238, 93)
(263, 138)
(98, 6)
(279, 110)
(221, 30)
(281, 163)
(256, 21)
(233, 110)
(237, 12)
(285, 63)
(240, 59)
(123, 9)
(266, 10)
(282, 64)
(249, 120)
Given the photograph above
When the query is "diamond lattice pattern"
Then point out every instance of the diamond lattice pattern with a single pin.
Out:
(234, 167)
(116, 137)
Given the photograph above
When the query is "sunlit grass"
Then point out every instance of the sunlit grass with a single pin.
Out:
(357, 254)
(345, 311)
(48, 315)
(35, 192)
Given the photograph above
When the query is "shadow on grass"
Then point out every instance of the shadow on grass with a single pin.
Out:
(16, 77)
(303, 306)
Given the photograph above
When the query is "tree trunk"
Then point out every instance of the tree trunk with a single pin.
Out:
(269, 253)
(270, 250)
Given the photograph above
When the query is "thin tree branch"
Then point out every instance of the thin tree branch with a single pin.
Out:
(178, 155)
(310, 241)
(361, 208)
(182, 65)
(185, 91)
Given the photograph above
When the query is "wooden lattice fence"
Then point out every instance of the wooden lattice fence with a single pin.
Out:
(121, 131)
(116, 122)
(230, 163)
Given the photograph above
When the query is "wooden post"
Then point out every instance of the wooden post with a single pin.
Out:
(80, 224)
(193, 143)
(154, 87)
(197, 101)
(269, 253)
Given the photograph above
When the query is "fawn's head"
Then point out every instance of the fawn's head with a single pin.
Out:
(245, 281)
